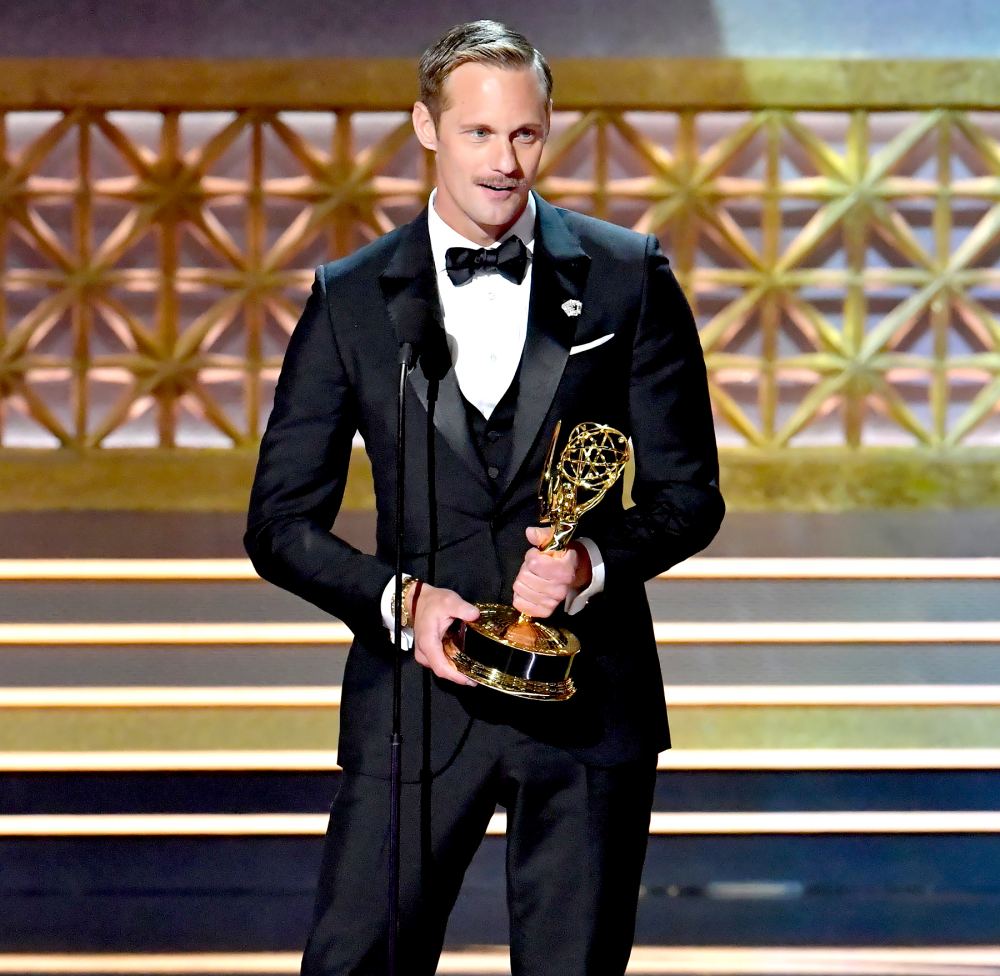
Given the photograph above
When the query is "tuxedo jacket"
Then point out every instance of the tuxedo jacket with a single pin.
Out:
(630, 357)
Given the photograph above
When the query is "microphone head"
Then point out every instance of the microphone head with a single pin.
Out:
(420, 337)
(413, 316)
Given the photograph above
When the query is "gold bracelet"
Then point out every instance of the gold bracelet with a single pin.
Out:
(406, 618)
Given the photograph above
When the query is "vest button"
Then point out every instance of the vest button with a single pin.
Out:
(493, 436)
(493, 471)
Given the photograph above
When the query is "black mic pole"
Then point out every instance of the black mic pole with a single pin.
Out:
(412, 330)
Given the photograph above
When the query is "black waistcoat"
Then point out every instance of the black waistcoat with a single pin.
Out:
(492, 436)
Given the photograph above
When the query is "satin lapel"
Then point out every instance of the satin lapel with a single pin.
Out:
(558, 274)
(408, 283)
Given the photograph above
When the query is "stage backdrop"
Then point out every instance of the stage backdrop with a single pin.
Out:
(835, 223)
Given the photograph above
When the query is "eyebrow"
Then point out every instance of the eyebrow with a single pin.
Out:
(486, 125)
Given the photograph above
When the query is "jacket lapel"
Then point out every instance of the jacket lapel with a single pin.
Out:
(409, 287)
(559, 274)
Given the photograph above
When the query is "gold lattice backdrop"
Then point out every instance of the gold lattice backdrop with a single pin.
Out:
(842, 264)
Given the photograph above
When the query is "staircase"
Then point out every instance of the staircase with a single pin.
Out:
(168, 737)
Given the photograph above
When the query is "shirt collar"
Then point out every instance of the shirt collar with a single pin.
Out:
(443, 236)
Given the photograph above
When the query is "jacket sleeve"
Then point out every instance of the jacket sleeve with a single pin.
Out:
(677, 503)
(300, 480)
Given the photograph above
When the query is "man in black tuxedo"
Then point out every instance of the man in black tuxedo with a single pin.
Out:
(534, 315)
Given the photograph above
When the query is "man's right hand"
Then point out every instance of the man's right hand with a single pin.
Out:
(433, 612)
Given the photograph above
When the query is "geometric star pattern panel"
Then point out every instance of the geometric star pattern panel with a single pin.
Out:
(843, 265)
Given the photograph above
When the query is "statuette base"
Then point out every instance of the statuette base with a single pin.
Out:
(525, 658)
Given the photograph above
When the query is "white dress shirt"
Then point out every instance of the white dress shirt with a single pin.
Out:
(487, 305)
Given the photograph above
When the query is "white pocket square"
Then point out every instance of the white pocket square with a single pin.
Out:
(584, 346)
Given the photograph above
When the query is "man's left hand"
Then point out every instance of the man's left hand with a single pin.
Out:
(547, 578)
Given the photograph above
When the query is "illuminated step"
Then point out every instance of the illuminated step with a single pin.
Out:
(711, 728)
(834, 568)
(218, 634)
(645, 961)
(174, 697)
(127, 570)
(321, 760)
(698, 568)
(673, 632)
(678, 696)
(667, 824)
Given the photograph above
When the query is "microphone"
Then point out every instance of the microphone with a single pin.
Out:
(412, 318)
(421, 338)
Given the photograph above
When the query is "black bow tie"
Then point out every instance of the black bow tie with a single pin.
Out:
(510, 259)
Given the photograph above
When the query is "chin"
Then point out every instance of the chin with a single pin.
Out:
(506, 213)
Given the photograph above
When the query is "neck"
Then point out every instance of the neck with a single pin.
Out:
(482, 234)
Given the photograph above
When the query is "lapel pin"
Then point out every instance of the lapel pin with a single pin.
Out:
(572, 307)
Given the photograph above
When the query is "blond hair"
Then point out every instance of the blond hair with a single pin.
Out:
(480, 42)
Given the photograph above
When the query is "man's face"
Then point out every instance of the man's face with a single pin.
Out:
(488, 142)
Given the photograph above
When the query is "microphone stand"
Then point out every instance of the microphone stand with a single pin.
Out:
(406, 354)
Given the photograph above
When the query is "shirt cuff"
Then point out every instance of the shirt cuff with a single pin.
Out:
(389, 619)
(576, 601)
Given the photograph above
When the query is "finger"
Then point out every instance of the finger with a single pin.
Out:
(425, 649)
(556, 568)
(445, 668)
(532, 608)
(536, 588)
(465, 611)
(537, 535)
(545, 573)
(538, 596)
(440, 663)
(430, 651)
(450, 606)
(452, 673)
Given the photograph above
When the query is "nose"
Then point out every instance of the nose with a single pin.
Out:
(504, 158)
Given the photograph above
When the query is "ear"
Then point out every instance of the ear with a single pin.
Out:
(424, 127)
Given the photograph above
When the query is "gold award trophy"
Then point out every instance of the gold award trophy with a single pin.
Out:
(507, 650)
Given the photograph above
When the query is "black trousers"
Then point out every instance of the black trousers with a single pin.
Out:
(576, 841)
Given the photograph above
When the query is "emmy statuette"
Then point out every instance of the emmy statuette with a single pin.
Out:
(507, 650)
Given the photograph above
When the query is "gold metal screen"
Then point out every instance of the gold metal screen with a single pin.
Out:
(841, 260)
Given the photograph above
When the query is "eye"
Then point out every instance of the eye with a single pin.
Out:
(479, 132)
(526, 135)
